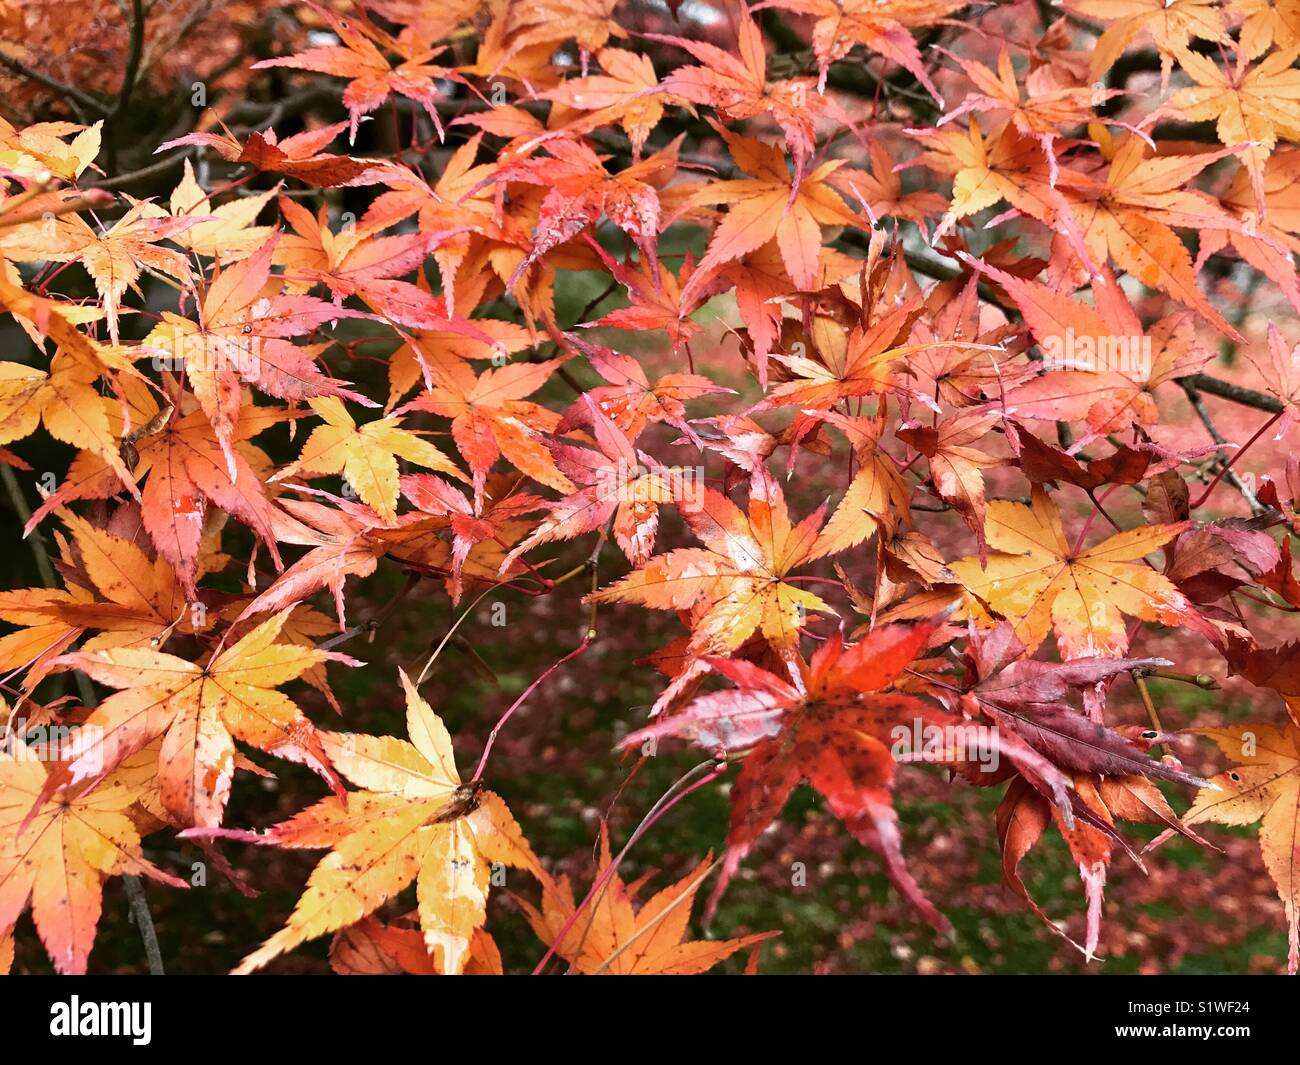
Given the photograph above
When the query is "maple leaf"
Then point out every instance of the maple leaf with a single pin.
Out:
(836, 729)
(133, 599)
(736, 84)
(1268, 22)
(1030, 699)
(1198, 555)
(413, 820)
(1044, 464)
(880, 189)
(1037, 581)
(241, 335)
(581, 192)
(493, 520)
(1250, 106)
(630, 401)
(426, 547)
(1007, 165)
(458, 340)
(372, 948)
(961, 375)
(356, 262)
(56, 851)
(1102, 365)
(306, 627)
(188, 470)
(656, 299)
(424, 23)
(457, 205)
(41, 148)
(615, 486)
(1263, 786)
(344, 542)
(1173, 24)
(116, 258)
(1042, 111)
(877, 496)
(767, 205)
(199, 710)
(1024, 815)
(371, 77)
(1129, 218)
(883, 26)
(490, 417)
(1281, 374)
(1264, 240)
(738, 577)
(549, 22)
(955, 466)
(226, 232)
(615, 936)
(762, 288)
(1277, 668)
(1281, 578)
(627, 93)
(929, 371)
(366, 456)
(40, 317)
(298, 156)
(66, 401)
(42, 629)
(865, 365)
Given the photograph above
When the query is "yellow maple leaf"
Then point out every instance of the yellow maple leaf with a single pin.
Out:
(1038, 582)
(226, 233)
(40, 150)
(366, 455)
(68, 403)
(414, 820)
(1263, 787)
(200, 710)
(737, 580)
(1250, 105)
(115, 258)
(1266, 23)
(1173, 24)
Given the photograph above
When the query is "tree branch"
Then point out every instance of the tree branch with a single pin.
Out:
(69, 92)
(135, 47)
(1247, 397)
(1194, 398)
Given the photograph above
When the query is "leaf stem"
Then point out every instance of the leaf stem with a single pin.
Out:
(501, 721)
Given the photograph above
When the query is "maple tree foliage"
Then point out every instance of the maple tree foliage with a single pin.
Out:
(890, 392)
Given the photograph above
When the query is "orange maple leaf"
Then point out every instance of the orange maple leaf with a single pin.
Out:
(199, 710)
(616, 937)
